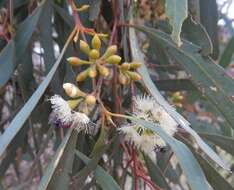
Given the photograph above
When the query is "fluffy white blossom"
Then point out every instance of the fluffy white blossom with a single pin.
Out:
(66, 116)
(148, 109)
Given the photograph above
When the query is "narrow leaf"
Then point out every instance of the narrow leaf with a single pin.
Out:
(137, 55)
(103, 178)
(177, 12)
(226, 57)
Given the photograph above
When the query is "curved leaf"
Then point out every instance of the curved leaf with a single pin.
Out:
(228, 52)
(15, 49)
(103, 178)
(159, 98)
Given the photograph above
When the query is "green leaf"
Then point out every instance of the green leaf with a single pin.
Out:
(196, 33)
(226, 143)
(226, 57)
(103, 178)
(214, 178)
(57, 173)
(209, 18)
(137, 55)
(188, 163)
(18, 121)
(177, 12)
(156, 174)
(208, 77)
(15, 49)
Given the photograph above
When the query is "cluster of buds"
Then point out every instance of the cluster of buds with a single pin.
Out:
(127, 73)
(78, 96)
(97, 64)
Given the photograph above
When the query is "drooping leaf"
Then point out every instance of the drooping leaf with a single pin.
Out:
(226, 143)
(209, 18)
(137, 55)
(188, 163)
(156, 174)
(57, 173)
(177, 12)
(18, 121)
(227, 54)
(196, 33)
(15, 49)
(103, 178)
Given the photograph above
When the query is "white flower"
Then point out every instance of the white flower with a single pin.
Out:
(66, 116)
(61, 109)
(148, 109)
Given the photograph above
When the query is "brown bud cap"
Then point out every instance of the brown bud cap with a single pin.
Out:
(84, 47)
(96, 42)
(90, 100)
(111, 50)
(92, 72)
(103, 70)
(123, 79)
(94, 54)
(134, 76)
(114, 59)
(82, 76)
(135, 65)
(75, 61)
(125, 66)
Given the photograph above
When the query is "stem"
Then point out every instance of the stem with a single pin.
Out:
(135, 174)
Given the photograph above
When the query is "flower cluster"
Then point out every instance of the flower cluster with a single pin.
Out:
(148, 109)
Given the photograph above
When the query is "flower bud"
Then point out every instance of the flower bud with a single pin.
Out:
(75, 61)
(90, 100)
(84, 47)
(82, 76)
(72, 90)
(73, 103)
(96, 42)
(125, 66)
(114, 59)
(135, 65)
(94, 54)
(83, 8)
(92, 72)
(134, 76)
(111, 50)
(103, 70)
(123, 79)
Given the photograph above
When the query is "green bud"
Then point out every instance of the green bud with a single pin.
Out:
(96, 42)
(82, 76)
(111, 50)
(94, 54)
(114, 59)
(75, 61)
(84, 47)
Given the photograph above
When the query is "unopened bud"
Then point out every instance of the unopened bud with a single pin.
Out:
(103, 70)
(90, 100)
(111, 50)
(114, 59)
(83, 8)
(134, 76)
(135, 65)
(84, 47)
(92, 72)
(96, 42)
(72, 90)
(82, 76)
(94, 54)
(75, 61)
(125, 66)
(123, 79)
(73, 103)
